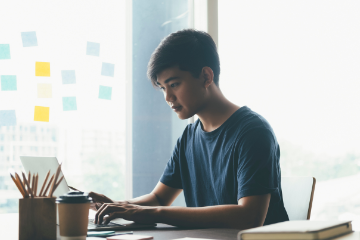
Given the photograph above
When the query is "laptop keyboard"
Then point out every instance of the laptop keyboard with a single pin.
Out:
(92, 225)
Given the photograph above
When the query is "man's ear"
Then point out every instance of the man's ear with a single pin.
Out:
(208, 76)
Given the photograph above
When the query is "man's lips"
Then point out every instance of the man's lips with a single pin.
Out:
(176, 108)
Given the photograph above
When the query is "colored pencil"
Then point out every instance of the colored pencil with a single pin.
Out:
(46, 189)
(22, 185)
(44, 184)
(27, 184)
(17, 185)
(55, 179)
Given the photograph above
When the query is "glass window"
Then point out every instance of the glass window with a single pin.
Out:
(155, 127)
(84, 43)
(297, 64)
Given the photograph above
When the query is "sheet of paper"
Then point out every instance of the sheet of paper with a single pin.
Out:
(107, 69)
(29, 39)
(105, 92)
(44, 90)
(68, 76)
(42, 114)
(4, 51)
(7, 118)
(42, 69)
(69, 104)
(93, 49)
(8, 83)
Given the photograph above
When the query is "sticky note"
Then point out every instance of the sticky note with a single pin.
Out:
(29, 39)
(107, 69)
(69, 103)
(93, 49)
(7, 118)
(68, 76)
(105, 92)
(42, 69)
(8, 83)
(44, 90)
(4, 51)
(41, 114)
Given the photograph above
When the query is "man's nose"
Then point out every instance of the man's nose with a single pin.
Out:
(169, 96)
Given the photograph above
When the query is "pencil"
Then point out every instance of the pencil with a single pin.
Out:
(29, 178)
(36, 184)
(55, 179)
(44, 184)
(44, 193)
(58, 183)
(17, 185)
(27, 184)
(33, 185)
(22, 185)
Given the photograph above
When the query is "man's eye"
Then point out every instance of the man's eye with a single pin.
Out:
(174, 84)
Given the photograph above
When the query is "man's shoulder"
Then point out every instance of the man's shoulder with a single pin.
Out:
(246, 121)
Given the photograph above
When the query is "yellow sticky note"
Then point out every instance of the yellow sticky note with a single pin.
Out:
(44, 90)
(42, 69)
(41, 114)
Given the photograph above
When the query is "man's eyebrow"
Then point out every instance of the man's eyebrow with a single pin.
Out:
(167, 80)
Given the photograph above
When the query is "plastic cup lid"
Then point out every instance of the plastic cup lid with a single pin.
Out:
(74, 197)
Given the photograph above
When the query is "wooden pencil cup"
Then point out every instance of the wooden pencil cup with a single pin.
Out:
(37, 218)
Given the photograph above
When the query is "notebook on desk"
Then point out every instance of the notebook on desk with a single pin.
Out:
(42, 165)
(302, 229)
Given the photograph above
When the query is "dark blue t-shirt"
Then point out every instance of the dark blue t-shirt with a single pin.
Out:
(238, 159)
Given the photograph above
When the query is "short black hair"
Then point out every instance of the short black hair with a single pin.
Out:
(189, 49)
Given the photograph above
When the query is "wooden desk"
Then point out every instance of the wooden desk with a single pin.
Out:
(9, 231)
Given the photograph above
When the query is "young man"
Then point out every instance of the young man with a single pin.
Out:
(227, 162)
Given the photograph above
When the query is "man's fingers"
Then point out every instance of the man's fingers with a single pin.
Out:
(107, 209)
(111, 217)
(98, 213)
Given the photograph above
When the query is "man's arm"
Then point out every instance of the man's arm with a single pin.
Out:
(162, 195)
(250, 212)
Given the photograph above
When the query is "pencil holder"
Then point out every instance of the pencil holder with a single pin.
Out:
(37, 218)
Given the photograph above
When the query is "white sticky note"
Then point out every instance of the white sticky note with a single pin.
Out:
(44, 90)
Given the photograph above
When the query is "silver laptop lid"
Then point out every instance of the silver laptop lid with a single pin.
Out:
(42, 165)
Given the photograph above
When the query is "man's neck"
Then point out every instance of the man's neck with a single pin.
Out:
(217, 110)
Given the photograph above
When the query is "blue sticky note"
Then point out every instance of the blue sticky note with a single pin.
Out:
(4, 51)
(7, 118)
(8, 83)
(69, 104)
(68, 76)
(29, 39)
(105, 92)
(93, 49)
(107, 69)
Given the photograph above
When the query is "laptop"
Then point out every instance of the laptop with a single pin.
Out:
(42, 165)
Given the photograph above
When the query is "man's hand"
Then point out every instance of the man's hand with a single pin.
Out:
(132, 212)
(98, 200)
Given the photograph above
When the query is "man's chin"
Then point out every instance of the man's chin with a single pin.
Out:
(184, 116)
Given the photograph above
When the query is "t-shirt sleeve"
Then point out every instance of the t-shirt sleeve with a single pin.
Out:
(258, 164)
(171, 176)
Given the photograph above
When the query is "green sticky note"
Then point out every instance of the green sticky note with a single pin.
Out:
(100, 233)
(8, 83)
(105, 92)
(69, 103)
(4, 51)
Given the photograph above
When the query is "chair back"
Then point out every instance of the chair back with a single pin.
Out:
(298, 193)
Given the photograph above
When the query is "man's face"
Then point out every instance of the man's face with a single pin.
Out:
(184, 93)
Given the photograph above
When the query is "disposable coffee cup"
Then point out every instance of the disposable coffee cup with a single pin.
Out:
(73, 215)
